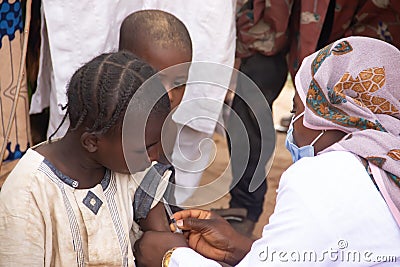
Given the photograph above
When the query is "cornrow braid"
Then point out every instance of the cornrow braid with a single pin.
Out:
(83, 87)
(125, 83)
(104, 87)
(100, 91)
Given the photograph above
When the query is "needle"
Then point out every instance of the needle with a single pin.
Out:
(173, 221)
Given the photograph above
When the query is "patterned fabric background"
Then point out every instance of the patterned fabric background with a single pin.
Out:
(272, 26)
(11, 40)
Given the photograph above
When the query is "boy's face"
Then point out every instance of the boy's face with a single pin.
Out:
(139, 153)
(173, 79)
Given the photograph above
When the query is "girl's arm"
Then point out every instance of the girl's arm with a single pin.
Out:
(156, 220)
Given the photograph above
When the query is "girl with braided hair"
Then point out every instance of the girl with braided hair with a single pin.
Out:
(69, 202)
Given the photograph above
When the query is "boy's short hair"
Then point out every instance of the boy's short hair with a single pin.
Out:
(156, 27)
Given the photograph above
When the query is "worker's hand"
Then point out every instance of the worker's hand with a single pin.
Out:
(212, 236)
(151, 247)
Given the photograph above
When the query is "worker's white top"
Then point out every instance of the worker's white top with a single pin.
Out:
(328, 213)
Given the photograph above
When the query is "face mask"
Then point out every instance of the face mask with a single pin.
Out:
(299, 152)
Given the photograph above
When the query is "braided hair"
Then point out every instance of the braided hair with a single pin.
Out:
(100, 91)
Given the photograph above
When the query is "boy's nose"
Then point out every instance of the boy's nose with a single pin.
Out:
(170, 96)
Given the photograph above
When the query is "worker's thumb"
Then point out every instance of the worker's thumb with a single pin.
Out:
(194, 224)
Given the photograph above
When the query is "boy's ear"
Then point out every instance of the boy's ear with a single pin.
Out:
(89, 142)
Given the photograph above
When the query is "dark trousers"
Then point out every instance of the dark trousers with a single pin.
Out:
(269, 73)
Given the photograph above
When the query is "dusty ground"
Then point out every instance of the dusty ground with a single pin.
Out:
(217, 176)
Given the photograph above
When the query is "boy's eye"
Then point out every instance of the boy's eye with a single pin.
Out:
(178, 83)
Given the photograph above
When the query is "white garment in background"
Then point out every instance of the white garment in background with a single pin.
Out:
(212, 28)
(326, 206)
(211, 25)
(77, 31)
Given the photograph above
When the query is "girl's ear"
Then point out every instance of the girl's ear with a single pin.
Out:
(89, 142)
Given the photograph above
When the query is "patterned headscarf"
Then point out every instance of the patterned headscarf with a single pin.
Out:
(353, 85)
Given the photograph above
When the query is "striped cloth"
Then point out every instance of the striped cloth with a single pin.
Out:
(11, 39)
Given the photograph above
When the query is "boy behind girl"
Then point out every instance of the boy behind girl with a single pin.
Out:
(164, 42)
